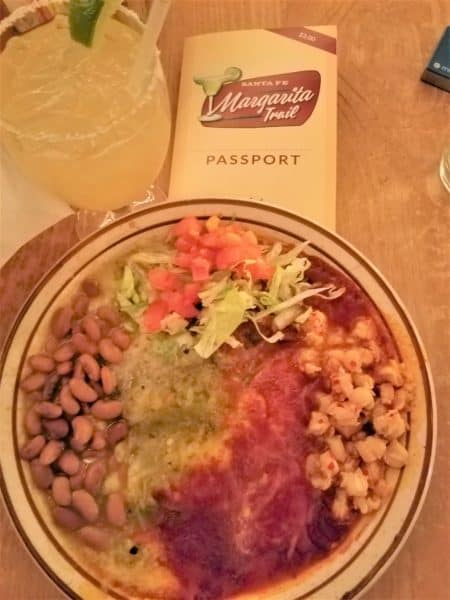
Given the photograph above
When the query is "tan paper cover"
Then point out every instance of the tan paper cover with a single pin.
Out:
(269, 131)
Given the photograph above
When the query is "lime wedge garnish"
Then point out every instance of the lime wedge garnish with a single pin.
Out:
(87, 19)
(232, 74)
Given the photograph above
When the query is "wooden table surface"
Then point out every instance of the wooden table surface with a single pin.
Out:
(391, 205)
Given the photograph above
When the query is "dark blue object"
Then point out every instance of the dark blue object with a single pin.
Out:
(437, 72)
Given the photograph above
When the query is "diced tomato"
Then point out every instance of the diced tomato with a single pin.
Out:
(217, 245)
(211, 239)
(154, 314)
(162, 279)
(183, 260)
(188, 310)
(229, 238)
(174, 300)
(229, 256)
(190, 291)
(260, 270)
(184, 244)
(252, 251)
(220, 238)
(200, 268)
(180, 303)
(189, 226)
(208, 254)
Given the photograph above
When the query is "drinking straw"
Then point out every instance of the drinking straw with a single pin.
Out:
(147, 48)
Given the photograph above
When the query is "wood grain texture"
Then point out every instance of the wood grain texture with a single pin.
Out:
(391, 205)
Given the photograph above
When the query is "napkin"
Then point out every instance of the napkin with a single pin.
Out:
(25, 210)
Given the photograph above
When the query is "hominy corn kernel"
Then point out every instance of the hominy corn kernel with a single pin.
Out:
(396, 455)
(355, 484)
(318, 423)
(390, 425)
(371, 449)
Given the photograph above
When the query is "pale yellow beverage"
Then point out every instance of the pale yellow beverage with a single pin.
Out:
(70, 122)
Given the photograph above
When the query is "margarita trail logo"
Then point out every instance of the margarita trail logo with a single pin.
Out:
(286, 99)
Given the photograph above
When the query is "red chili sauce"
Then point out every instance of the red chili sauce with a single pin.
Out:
(257, 520)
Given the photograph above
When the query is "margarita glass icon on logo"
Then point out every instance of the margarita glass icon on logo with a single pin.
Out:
(212, 84)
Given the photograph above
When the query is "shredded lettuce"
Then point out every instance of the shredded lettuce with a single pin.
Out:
(215, 291)
(233, 342)
(224, 317)
(149, 259)
(132, 295)
(298, 299)
(226, 300)
(273, 339)
(173, 324)
(285, 259)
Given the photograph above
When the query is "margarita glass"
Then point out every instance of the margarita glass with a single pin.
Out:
(70, 122)
(211, 85)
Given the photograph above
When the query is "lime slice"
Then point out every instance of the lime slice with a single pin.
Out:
(232, 74)
(87, 19)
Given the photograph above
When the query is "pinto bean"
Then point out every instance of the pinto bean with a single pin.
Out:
(116, 432)
(68, 402)
(69, 462)
(78, 372)
(83, 344)
(64, 368)
(42, 474)
(109, 351)
(90, 366)
(33, 423)
(77, 446)
(85, 504)
(107, 409)
(83, 429)
(95, 474)
(51, 344)
(32, 448)
(86, 409)
(34, 397)
(77, 480)
(115, 509)
(62, 321)
(33, 382)
(98, 441)
(50, 385)
(105, 327)
(97, 387)
(42, 363)
(109, 314)
(67, 518)
(64, 352)
(56, 428)
(120, 338)
(91, 288)
(108, 379)
(91, 328)
(61, 492)
(95, 537)
(80, 305)
(82, 391)
(49, 410)
(51, 452)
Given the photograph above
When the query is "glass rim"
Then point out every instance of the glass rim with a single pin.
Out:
(122, 11)
(25, 10)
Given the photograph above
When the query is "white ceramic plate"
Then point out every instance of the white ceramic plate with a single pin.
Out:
(349, 571)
